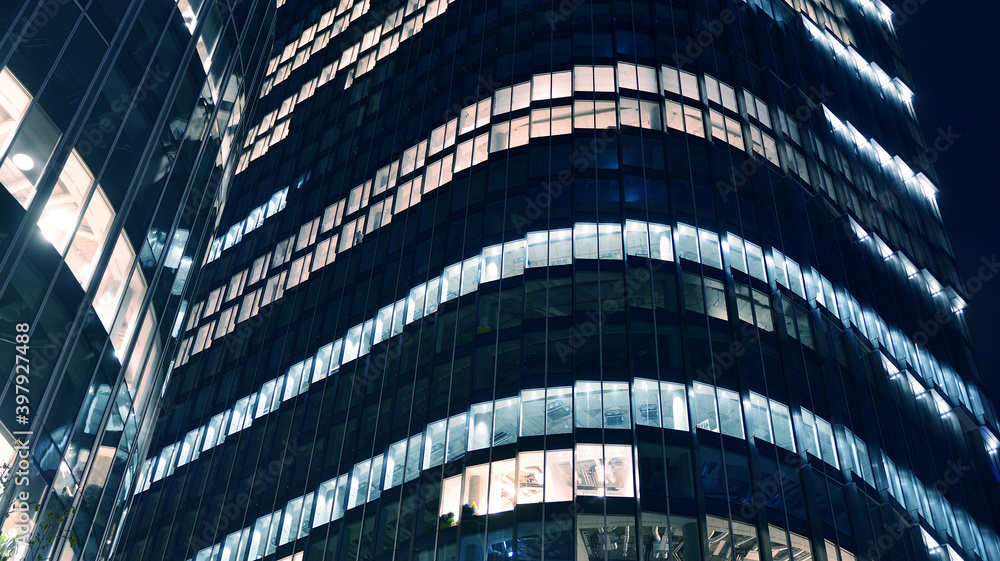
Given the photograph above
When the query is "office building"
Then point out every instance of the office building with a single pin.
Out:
(118, 121)
(604, 280)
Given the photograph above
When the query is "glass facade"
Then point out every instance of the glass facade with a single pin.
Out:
(604, 280)
(119, 123)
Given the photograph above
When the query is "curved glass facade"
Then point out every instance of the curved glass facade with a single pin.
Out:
(597, 280)
(118, 127)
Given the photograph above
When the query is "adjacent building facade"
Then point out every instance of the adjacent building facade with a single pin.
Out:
(117, 128)
(603, 280)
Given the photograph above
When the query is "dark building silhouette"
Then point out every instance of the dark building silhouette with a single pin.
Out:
(118, 138)
(596, 280)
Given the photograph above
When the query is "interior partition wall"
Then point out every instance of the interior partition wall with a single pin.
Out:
(603, 280)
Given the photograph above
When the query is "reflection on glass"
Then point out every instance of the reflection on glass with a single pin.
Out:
(588, 405)
(476, 488)
(618, 471)
(530, 477)
(611, 537)
(90, 238)
(113, 283)
(559, 410)
(502, 487)
(704, 407)
(647, 402)
(62, 209)
(558, 475)
(532, 412)
(589, 470)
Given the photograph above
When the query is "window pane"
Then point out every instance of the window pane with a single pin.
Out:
(562, 120)
(521, 96)
(760, 418)
(629, 112)
(605, 115)
(532, 412)
(618, 471)
(540, 122)
(451, 500)
(395, 464)
(413, 450)
(710, 250)
(530, 477)
(660, 243)
(704, 407)
(616, 405)
(458, 436)
(674, 401)
(434, 443)
(585, 241)
(730, 413)
(481, 426)
(647, 402)
(538, 244)
(541, 87)
(502, 486)
(560, 247)
(558, 475)
(589, 470)
(782, 422)
(559, 410)
(649, 114)
(505, 421)
(476, 488)
(588, 405)
(610, 241)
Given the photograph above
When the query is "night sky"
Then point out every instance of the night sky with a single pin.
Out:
(951, 48)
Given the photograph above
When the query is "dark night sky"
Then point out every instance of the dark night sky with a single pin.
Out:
(951, 49)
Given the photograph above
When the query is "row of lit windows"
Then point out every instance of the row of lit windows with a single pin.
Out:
(556, 475)
(869, 72)
(556, 120)
(310, 43)
(598, 536)
(253, 221)
(602, 114)
(538, 412)
(558, 247)
(549, 475)
(893, 166)
(828, 14)
(724, 129)
(77, 216)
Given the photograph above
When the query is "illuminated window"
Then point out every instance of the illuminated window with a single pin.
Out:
(90, 237)
(63, 207)
(112, 287)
